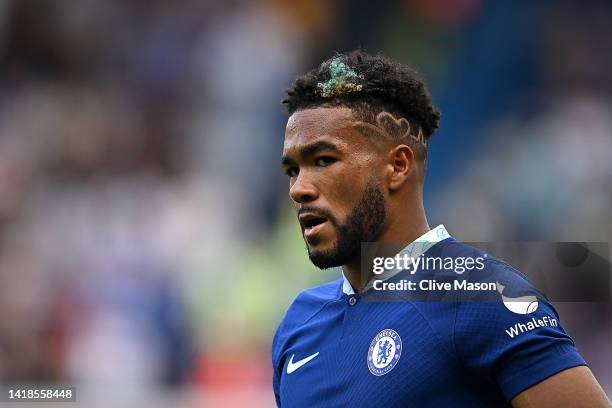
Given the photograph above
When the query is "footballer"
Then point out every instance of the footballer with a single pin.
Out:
(355, 153)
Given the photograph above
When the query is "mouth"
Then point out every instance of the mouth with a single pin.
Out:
(312, 224)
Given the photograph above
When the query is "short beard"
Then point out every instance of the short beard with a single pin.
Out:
(363, 224)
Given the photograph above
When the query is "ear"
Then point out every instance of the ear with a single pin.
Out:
(401, 165)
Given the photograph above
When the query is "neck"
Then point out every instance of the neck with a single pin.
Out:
(402, 232)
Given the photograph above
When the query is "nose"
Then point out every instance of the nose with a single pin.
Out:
(302, 190)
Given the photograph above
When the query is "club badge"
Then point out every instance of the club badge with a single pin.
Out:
(384, 352)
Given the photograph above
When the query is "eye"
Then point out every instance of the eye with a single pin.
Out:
(292, 171)
(324, 161)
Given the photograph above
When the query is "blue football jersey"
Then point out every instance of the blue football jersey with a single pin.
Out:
(336, 348)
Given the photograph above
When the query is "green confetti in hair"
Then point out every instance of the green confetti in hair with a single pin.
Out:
(341, 81)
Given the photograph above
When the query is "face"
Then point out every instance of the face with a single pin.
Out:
(335, 175)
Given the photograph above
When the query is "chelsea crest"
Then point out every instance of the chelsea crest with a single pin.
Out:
(384, 352)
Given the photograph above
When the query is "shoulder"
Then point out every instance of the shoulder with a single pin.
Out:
(512, 334)
(491, 285)
(305, 306)
(476, 265)
(310, 301)
(487, 297)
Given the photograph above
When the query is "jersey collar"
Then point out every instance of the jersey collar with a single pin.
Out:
(414, 250)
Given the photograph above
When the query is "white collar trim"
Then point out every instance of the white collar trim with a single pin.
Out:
(413, 250)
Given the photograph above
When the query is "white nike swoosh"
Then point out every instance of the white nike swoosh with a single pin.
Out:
(291, 366)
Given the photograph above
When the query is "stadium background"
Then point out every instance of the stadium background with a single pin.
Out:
(147, 243)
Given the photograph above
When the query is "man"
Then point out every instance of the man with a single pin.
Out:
(355, 151)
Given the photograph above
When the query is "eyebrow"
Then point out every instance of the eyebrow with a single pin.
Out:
(310, 150)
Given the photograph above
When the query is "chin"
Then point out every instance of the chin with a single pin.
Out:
(325, 257)
(324, 262)
(320, 251)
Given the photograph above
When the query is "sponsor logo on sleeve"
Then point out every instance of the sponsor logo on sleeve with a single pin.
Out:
(524, 305)
(519, 305)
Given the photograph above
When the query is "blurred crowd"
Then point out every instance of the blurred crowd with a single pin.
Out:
(147, 241)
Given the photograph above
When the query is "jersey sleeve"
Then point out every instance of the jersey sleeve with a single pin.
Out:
(515, 342)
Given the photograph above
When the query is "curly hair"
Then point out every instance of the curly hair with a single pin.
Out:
(368, 84)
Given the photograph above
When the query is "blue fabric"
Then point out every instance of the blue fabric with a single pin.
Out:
(474, 352)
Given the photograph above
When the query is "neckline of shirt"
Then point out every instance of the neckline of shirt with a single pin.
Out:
(415, 249)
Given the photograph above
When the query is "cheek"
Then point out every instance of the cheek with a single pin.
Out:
(344, 188)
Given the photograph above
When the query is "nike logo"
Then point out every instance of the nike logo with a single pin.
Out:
(291, 366)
